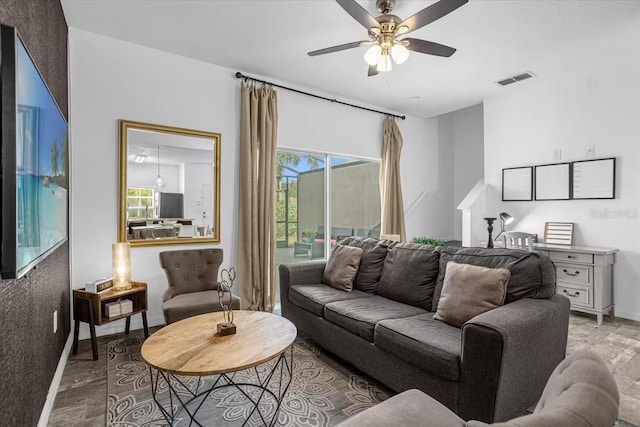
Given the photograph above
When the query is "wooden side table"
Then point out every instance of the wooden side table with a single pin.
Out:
(88, 307)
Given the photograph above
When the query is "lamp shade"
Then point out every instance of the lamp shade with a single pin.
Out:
(399, 53)
(506, 218)
(372, 55)
(121, 265)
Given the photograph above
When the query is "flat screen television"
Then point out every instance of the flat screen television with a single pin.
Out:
(34, 162)
(171, 205)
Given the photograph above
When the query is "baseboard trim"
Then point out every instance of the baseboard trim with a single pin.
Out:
(117, 327)
(55, 382)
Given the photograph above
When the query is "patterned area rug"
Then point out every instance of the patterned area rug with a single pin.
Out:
(324, 391)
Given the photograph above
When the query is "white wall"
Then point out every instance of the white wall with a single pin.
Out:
(588, 95)
(195, 177)
(463, 130)
(142, 175)
(111, 79)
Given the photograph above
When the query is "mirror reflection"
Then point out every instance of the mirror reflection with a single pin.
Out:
(169, 185)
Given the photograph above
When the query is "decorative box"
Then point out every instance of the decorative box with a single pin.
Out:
(126, 306)
(112, 309)
(99, 285)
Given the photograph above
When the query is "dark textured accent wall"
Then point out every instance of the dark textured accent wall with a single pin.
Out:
(29, 350)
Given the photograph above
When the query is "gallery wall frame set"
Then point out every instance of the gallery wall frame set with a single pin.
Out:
(579, 180)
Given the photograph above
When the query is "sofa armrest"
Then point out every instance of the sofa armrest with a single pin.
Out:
(300, 273)
(508, 355)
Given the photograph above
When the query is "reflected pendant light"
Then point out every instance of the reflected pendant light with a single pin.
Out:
(158, 182)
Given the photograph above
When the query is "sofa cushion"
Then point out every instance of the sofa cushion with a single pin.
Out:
(532, 275)
(469, 290)
(194, 303)
(360, 315)
(374, 253)
(423, 342)
(409, 274)
(342, 267)
(314, 297)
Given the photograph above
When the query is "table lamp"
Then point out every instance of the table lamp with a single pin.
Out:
(490, 230)
(121, 265)
(505, 219)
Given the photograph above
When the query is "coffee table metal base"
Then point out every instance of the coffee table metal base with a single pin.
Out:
(275, 383)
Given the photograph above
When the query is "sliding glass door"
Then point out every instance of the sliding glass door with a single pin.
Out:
(309, 218)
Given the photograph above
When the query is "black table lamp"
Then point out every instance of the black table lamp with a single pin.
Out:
(490, 230)
(505, 219)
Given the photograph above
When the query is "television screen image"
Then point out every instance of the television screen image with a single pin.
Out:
(42, 165)
(35, 144)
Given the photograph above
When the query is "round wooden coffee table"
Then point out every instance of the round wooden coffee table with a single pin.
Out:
(191, 347)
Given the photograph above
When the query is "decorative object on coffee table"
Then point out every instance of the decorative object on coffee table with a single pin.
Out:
(225, 285)
(490, 230)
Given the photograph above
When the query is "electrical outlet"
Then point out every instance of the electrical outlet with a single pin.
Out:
(557, 154)
(55, 321)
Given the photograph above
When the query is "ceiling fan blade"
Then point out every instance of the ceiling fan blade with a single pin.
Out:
(430, 48)
(337, 48)
(373, 70)
(431, 13)
(359, 13)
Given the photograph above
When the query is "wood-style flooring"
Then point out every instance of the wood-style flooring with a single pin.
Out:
(82, 396)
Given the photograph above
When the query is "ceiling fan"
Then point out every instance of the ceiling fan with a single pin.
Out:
(387, 33)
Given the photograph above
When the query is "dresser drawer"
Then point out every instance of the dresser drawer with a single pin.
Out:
(571, 257)
(577, 296)
(574, 273)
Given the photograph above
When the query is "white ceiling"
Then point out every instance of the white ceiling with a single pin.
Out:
(270, 38)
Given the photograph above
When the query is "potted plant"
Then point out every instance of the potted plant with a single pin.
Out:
(429, 241)
(307, 236)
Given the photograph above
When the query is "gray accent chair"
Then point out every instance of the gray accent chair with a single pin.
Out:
(193, 283)
(580, 393)
(492, 369)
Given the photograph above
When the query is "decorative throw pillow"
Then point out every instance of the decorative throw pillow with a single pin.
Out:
(469, 290)
(342, 267)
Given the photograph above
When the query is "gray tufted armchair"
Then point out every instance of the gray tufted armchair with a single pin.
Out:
(580, 393)
(193, 283)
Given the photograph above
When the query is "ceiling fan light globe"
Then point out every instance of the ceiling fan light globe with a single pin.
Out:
(399, 53)
(372, 55)
(384, 64)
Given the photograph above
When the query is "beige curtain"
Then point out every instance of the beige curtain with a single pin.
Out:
(256, 212)
(392, 209)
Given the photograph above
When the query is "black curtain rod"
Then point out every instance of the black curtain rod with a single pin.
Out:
(239, 75)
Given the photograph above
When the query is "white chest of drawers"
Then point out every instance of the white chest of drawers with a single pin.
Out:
(585, 275)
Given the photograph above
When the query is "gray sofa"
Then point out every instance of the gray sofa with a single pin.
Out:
(492, 369)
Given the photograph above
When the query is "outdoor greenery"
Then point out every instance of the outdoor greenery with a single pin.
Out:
(429, 241)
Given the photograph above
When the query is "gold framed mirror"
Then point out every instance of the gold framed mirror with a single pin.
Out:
(169, 185)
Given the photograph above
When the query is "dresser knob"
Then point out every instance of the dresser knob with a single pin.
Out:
(571, 274)
(571, 295)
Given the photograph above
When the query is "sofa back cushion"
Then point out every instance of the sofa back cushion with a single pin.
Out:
(532, 275)
(374, 253)
(469, 290)
(409, 274)
(342, 267)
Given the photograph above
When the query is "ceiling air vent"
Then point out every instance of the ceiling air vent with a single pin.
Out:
(516, 78)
